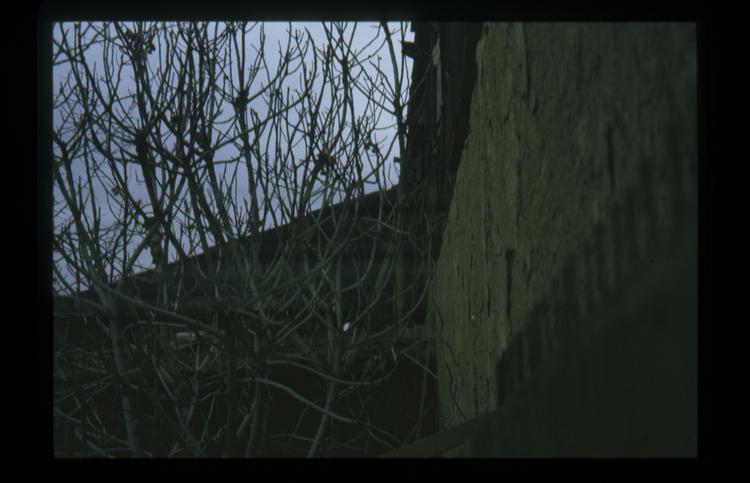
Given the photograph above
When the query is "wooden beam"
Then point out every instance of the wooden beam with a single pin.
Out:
(409, 49)
(439, 443)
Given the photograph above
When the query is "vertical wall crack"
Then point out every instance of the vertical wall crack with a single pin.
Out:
(610, 158)
(508, 284)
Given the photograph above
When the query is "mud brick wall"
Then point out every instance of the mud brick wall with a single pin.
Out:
(581, 158)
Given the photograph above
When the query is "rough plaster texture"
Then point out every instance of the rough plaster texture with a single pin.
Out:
(581, 152)
(624, 384)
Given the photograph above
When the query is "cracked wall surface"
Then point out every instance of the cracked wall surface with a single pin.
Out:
(581, 153)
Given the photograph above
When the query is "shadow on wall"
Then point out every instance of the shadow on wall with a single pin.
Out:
(620, 383)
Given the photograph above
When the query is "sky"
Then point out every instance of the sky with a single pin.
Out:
(277, 35)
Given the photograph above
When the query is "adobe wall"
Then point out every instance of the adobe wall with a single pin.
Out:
(581, 156)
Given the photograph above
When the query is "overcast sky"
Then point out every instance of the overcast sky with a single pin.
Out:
(277, 34)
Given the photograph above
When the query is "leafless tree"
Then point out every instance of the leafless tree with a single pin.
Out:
(223, 216)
